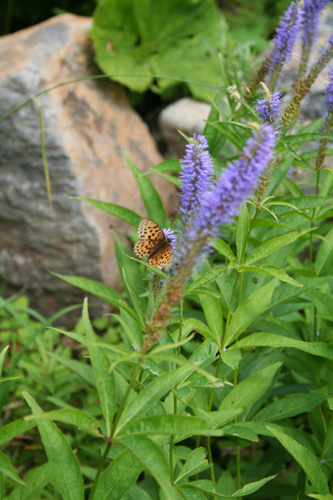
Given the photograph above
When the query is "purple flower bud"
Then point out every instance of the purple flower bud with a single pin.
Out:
(269, 108)
(195, 176)
(311, 11)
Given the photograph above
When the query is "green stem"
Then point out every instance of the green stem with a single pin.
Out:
(238, 455)
(174, 395)
(210, 459)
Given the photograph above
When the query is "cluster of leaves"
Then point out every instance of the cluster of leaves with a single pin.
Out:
(157, 45)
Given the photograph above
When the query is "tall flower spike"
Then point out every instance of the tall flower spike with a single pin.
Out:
(195, 176)
(285, 39)
(311, 12)
(328, 122)
(269, 107)
(217, 208)
(305, 85)
(235, 184)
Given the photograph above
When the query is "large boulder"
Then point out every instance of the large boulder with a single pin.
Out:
(87, 125)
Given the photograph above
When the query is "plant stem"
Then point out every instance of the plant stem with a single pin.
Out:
(181, 309)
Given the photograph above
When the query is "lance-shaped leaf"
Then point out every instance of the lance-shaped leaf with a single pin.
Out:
(100, 363)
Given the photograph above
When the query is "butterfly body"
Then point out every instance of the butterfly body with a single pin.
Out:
(154, 244)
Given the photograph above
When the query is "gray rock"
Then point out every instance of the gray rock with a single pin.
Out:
(186, 115)
(87, 126)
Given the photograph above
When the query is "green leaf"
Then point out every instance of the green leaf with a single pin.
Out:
(231, 357)
(270, 270)
(152, 460)
(136, 301)
(246, 313)
(90, 286)
(207, 278)
(197, 462)
(272, 340)
(213, 314)
(250, 488)
(289, 406)
(34, 481)
(150, 196)
(139, 41)
(292, 187)
(169, 424)
(8, 470)
(274, 244)
(150, 394)
(249, 390)
(79, 367)
(321, 497)
(73, 416)
(118, 477)
(2, 357)
(324, 258)
(309, 463)
(242, 232)
(14, 429)
(240, 432)
(118, 211)
(100, 364)
(66, 470)
(223, 249)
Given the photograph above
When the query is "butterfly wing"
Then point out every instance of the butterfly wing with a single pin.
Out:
(144, 247)
(149, 230)
(162, 257)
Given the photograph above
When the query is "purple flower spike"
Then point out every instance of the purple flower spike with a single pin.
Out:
(235, 184)
(269, 107)
(285, 39)
(196, 175)
(311, 12)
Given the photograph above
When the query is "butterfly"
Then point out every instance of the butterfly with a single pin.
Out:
(153, 243)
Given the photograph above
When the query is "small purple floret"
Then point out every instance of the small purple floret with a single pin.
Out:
(286, 35)
(269, 109)
(196, 175)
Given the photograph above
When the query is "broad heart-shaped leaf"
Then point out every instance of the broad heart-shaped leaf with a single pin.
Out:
(150, 394)
(152, 460)
(246, 313)
(14, 429)
(249, 390)
(7, 469)
(100, 364)
(136, 40)
(169, 424)
(118, 477)
(274, 244)
(34, 481)
(150, 196)
(118, 211)
(66, 470)
(324, 258)
(309, 462)
(272, 340)
(289, 406)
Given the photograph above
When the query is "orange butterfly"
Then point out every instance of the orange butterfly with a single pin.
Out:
(153, 243)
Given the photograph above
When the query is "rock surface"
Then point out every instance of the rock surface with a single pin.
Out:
(87, 125)
(186, 115)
